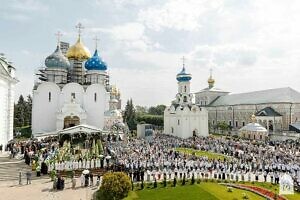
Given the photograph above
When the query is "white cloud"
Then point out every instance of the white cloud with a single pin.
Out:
(178, 14)
(224, 55)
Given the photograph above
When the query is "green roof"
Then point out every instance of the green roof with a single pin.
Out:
(278, 95)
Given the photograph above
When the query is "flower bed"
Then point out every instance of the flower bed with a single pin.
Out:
(258, 190)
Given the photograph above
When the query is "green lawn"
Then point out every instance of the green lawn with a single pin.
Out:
(199, 153)
(202, 191)
(275, 188)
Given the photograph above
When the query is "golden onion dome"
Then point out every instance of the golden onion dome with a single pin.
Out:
(211, 82)
(78, 51)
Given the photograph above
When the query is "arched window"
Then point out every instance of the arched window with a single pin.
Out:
(172, 130)
(184, 99)
(95, 97)
(49, 96)
(185, 88)
(178, 122)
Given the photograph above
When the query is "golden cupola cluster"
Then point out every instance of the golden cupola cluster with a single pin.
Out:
(115, 91)
(78, 51)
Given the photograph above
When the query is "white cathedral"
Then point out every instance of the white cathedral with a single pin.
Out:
(184, 118)
(73, 89)
(7, 85)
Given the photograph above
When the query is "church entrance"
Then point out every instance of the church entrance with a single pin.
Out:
(71, 121)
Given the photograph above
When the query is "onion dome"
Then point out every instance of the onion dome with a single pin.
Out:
(57, 60)
(211, 82)
(78, 51)
(183, 76)
(95, 63)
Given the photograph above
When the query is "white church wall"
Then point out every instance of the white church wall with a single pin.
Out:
(3, 110)
(44, 107)
(71, 88)
(96, 107)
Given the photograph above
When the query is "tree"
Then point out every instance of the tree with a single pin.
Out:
(141, 110)
(157, 120)
(157, 110)
(223, 126)
(115, 186)
(22, 112)
(130, 115)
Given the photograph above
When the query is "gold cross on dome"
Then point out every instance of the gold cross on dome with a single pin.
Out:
(96, 41)
(58, 36)
(80, 28)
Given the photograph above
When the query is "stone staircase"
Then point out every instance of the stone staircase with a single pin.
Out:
(9, 169)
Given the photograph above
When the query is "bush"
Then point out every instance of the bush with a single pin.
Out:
(229, 189)
(199, 181)
(115, 185)
(193, 180)
(183, 180)
(174, 182)
(245, 196)
(155, 184)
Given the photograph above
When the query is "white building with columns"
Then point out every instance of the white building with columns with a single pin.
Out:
(73, 89)
(7, 85)
(183, 118)
(275, 109)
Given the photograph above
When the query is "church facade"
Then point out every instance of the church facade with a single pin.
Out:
(275, 109)
(7, 85)
(183, 118)
(74, 89)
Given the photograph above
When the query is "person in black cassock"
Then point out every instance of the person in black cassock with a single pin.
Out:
(86, 180)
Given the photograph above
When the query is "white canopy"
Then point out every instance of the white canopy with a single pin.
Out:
(254, 127)
(82, 128)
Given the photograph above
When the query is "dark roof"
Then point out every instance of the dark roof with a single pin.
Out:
(268, 111)
(295, 127)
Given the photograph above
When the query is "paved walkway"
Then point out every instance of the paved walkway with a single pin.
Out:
(42, 189)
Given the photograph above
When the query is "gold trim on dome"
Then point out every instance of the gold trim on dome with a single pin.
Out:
(78, 51)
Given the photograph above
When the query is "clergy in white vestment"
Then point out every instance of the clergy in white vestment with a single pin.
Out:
(80, 164)
(92, 164)
(97, 163)
(84, 164)
(56, 165)
(88, 164)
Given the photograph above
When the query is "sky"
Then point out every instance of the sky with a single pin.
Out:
(250, 44)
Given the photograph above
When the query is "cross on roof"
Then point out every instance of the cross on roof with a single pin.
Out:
(80, 28)
(96, 41)
(183, 61)
(58, 36)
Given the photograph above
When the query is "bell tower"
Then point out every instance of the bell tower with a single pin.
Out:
(183, 96)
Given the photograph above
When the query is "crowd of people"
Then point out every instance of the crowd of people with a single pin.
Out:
(158, 158)
(244, 161)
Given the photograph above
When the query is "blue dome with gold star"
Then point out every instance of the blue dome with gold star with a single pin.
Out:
(95, 63)
(57, 60)
(183, 76)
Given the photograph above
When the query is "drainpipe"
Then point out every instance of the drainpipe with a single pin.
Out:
(290, 114)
